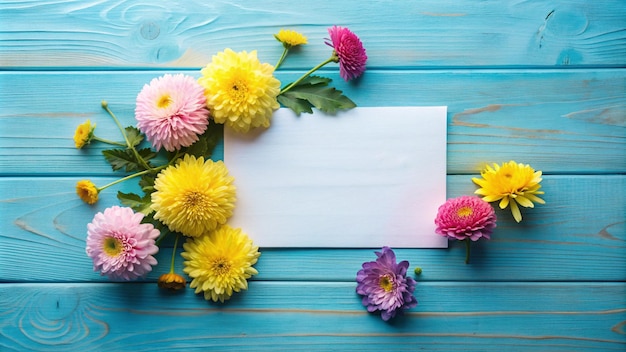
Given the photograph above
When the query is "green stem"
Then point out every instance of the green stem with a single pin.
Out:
(282, 58)
(108, 141)
(143, 163)
(331, 59)
(467, 250)
(141, 173)
(174, 254)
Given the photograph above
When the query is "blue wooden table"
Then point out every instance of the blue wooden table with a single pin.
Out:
(539, 82)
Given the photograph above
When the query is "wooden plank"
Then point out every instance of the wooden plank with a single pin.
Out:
(320, 316)
(560, 121)
(45, 222)
(432, 33)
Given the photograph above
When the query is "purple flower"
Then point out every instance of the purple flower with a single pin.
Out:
(465, 217)
(384, 285)
(120, 245)
(349, 51)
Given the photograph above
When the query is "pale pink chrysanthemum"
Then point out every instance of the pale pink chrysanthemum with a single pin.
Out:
(349, 51)
(465, 217)
(120, 245)
(171, 111)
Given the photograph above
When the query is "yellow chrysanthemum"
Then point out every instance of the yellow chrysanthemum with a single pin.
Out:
(87, 191)
(290, 38)
(241, 91)
(220, 262)
(194, 196)
(511, 184)
(83, 134)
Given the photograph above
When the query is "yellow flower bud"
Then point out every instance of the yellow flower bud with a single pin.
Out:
(83, 134)
(172, 281)
(87, 191)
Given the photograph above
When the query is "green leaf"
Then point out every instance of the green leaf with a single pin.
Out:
(326, 99)
(315, 80)
(126, 159)
(149, 219)
(207, 141)
(137, 203)
(133, 135)
(121, 158)
(297, 105)
(147, 183)
(147, 154)
(311, 81)
(313, 91)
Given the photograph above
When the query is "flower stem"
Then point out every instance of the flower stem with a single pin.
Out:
(331, 59)
(141, 173)
(282, 58)
(141, 160)
(467, 250)
(108, 141)
(174, 254)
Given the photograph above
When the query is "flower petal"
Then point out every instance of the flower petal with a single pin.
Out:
(525, 202)
(515, 211)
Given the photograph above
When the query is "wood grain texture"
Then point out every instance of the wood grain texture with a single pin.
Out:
(565, 121)
(541, 82)
(313, 316)
(432, 33)
(557, 241)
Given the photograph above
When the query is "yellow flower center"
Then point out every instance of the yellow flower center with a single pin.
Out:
(112, 246)
(464, 212)
(221, 266)
(385, 283)
(164, 101)
(195, 203)
(239, 91)
(82, 131)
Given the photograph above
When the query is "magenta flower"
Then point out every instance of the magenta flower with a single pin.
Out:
(349, 51)
(120, 245)
(384, 285)
(171, 111)
(465, 217)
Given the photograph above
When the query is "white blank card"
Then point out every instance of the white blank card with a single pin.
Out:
(367, 177)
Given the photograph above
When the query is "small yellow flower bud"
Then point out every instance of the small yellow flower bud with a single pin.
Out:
(290, 38)
(87, 191)
(418, 270)
(83, 134)
(172, 281)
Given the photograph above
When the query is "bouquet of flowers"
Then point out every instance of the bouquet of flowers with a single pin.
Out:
(188, 195)
(185, 193)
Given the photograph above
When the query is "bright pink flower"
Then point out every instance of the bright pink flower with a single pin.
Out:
(465, 217)
(120, 245)
(350, 52)
(172, 111)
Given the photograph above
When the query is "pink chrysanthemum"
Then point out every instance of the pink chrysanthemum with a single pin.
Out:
(172, 111)
(465, 217)
(349, 51)
(120, 245)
